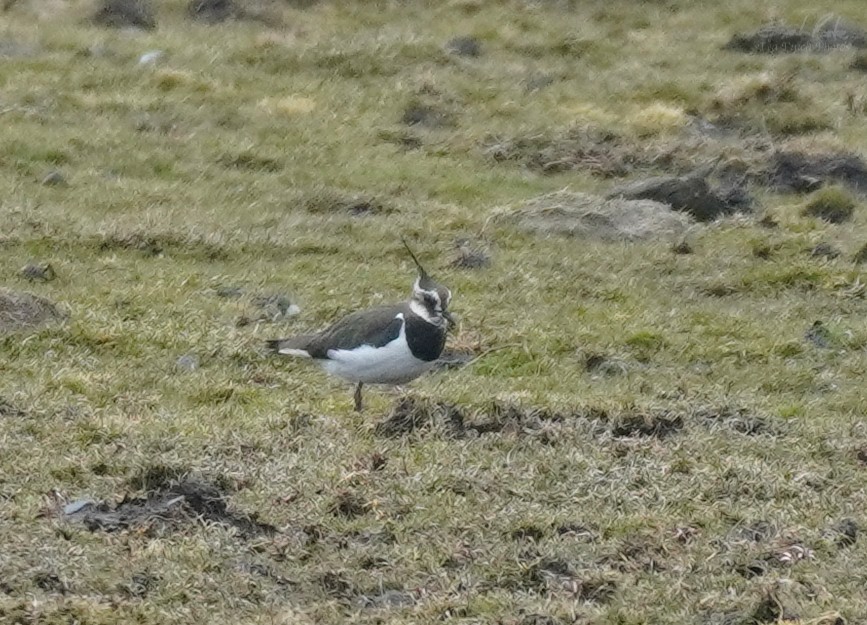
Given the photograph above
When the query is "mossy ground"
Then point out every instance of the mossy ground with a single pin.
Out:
(703, 479)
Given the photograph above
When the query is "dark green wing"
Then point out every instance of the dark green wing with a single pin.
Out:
(375, 327)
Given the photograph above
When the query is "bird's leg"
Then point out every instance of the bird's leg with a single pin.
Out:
(358, 397)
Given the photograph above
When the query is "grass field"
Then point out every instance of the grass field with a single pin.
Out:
(650, 432)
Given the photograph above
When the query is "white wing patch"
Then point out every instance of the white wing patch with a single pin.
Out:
(291, 351)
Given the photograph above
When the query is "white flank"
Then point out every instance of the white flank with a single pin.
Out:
(291, 351)
(392, 363)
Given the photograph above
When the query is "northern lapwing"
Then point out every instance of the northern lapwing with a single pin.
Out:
(386, 345)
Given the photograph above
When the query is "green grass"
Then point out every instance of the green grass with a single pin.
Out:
(682, 485)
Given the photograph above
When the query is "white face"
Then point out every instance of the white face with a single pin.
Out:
(430, 304)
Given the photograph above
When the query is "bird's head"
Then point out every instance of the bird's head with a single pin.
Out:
(430, 299)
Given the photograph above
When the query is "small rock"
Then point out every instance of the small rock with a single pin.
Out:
(464, 46)
(187, 362)
(54, 179)
(77, 506)
(825, 250)
(38, 272)
(151, 58)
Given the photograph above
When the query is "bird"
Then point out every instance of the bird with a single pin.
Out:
(389, 345)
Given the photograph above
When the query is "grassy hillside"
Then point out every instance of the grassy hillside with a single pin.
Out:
(653, 431)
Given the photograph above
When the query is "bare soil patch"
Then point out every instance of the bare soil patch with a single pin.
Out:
(174, 500)
(19, 311)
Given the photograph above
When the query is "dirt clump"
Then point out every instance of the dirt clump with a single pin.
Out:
(348, 505)
(212, 11)
(799, 172)
(585, 216)
(690, 194)
(778, 38)
(410, 414)
(464, 46)
(825, 250)
(19, 311)
(427, 115)
(660, 424)
(126, 14)
(774, 38)
(740, 420)
(174, 500)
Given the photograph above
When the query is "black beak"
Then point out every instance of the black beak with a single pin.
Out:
(448, 317)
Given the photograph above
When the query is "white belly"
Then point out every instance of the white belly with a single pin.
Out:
(391, 364)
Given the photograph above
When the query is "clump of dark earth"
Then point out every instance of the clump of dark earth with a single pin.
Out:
(690, 194)
(212, 11)
(9, 410)
(464, 46)
(819, 335)
(332, 201)
(825, 250)
(51, 582)
(139, 585)
(577, 531)
(845, 532)
(769, 609)
(527, 532)
(427, 115)
(470, 257)
(682, 247)
(511, 418)
(656, 424)
(173, 501)
(771, 39)
(778, 38)
(54, 179)
(835, 32)
(126, 14)
(337, 585)
(410, 414)
(798, 172)
(38, 272)
(739, 420)
(604, 365)
(348, 505)
(756, 532)
(19, 311)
